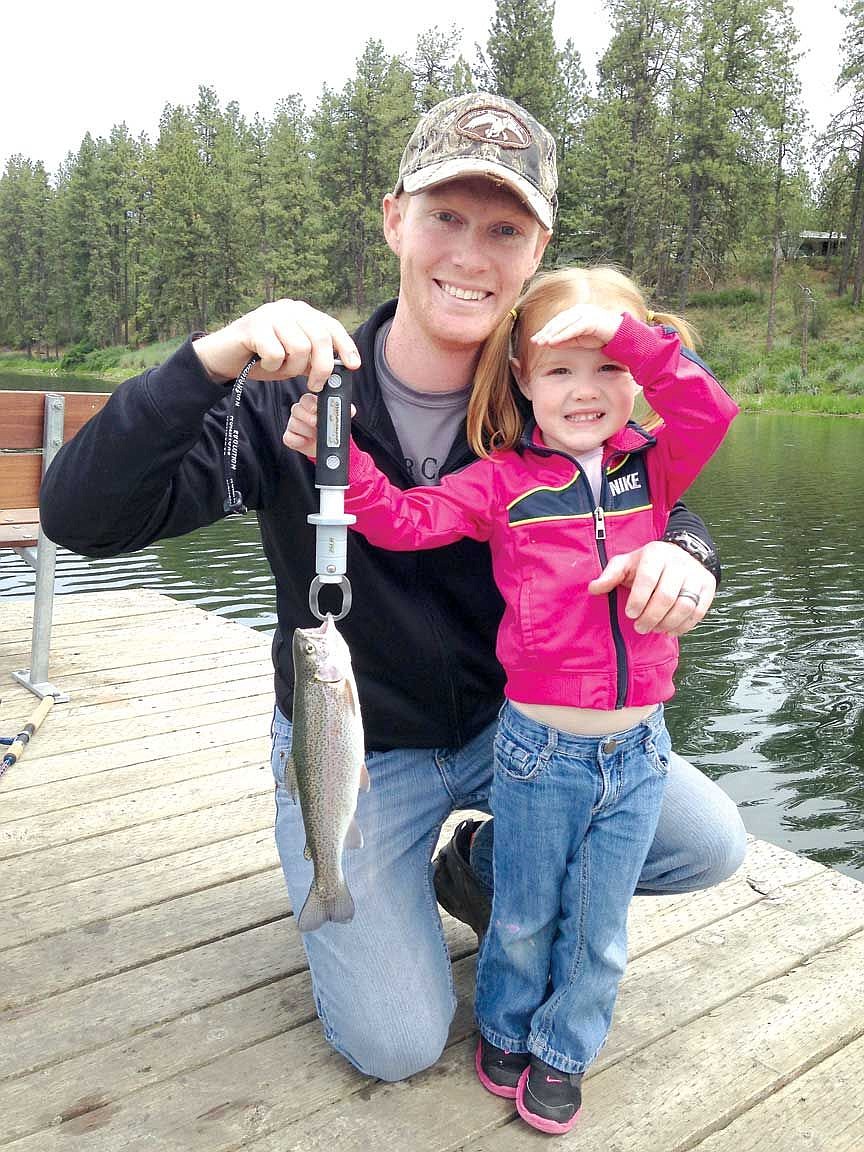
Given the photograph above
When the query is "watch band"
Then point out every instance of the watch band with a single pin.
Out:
(698, 549)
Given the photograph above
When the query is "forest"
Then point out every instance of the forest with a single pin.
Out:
(689, 160)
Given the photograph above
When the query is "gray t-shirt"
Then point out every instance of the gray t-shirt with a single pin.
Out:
(426, 423)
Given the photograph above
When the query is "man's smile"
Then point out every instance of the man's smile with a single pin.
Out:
(462, 293)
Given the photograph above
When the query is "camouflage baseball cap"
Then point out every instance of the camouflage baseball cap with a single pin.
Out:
(483, 135)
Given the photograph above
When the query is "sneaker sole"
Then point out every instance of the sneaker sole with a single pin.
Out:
(496, 1089)
(551, 1127)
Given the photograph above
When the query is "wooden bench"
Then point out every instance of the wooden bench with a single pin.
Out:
(33, 425)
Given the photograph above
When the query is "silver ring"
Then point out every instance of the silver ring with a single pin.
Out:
(686, 594)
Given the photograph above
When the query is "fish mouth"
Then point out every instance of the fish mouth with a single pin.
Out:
(320, 629)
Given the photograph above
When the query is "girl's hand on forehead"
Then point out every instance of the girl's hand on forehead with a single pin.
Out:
(585, 326)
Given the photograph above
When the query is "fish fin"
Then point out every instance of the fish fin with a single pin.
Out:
(365, 783)
(316, 911)
(353, 837)
(290, 775)
(351, 696)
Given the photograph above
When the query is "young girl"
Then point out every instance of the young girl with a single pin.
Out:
(582, 749)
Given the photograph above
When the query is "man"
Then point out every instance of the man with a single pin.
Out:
(469, 220)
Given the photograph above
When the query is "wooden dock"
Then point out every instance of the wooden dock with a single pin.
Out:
(153, 990)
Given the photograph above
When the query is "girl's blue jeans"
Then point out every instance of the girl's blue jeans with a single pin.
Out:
(382, 983)
(575, 817)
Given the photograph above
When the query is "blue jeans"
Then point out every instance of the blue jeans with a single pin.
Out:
(382, 983)
(574, 818)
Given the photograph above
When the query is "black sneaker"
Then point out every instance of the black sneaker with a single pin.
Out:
(457, 889)
(499, 1070)
(548, 1099)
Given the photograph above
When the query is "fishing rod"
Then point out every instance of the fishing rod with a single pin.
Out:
(20, 742)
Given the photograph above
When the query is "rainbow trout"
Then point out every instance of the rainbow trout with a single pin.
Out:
(326, 768)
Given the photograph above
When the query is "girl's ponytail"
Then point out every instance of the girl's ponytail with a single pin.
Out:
(689, 335)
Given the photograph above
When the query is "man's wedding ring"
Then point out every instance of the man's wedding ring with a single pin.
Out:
(687, 594)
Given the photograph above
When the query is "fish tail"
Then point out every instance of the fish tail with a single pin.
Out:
(317, 911)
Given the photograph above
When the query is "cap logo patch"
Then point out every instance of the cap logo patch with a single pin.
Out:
(494, 126)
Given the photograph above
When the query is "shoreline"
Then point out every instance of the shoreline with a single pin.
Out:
(811, 403)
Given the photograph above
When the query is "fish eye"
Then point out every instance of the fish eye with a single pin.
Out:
(310, 648)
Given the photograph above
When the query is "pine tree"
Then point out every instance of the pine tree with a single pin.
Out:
(179, 241)
(358, 136)
(732, 48)
(523, 62)
(437, 70)
(568, 128)
(25, 254)
(227, 157)
(293, 258)
(627, 134)
(852, 77)
(785, 121)
(85, 251)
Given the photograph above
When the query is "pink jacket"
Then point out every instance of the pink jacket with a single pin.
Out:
(557, 643)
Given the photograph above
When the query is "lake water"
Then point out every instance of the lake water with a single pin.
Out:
(770, 696)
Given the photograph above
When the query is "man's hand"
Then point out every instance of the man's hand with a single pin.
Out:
(670, 591)
(291, 338)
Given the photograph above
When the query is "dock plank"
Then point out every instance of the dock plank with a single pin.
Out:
(139, 808)
(120, 743)
(248, 749)
(676, 1093)
(123, 890)
(36, 871)
(156, 1051)
(139, 751)
(105, 947)
(44, 1034)
(666, 1096)
(820, 1111)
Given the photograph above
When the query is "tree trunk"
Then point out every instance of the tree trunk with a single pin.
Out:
(854, 211)
(689, 242)
(805, 329)
(772, 298)
(778, 228)
(360, 266)
(859, 265)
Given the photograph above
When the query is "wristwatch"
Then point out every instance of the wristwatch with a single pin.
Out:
(698, 549)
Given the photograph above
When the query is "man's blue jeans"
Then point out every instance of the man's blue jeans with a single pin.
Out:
(574, 817)
(382, 983)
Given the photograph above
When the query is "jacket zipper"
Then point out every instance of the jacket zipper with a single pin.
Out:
(621, 670)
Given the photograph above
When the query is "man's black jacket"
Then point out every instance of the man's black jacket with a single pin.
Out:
(423, 624)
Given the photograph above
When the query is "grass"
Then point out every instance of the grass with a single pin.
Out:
(733, 325)
(28, 366)
(116, 364)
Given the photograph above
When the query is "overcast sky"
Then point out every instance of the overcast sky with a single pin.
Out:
(68, 68)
